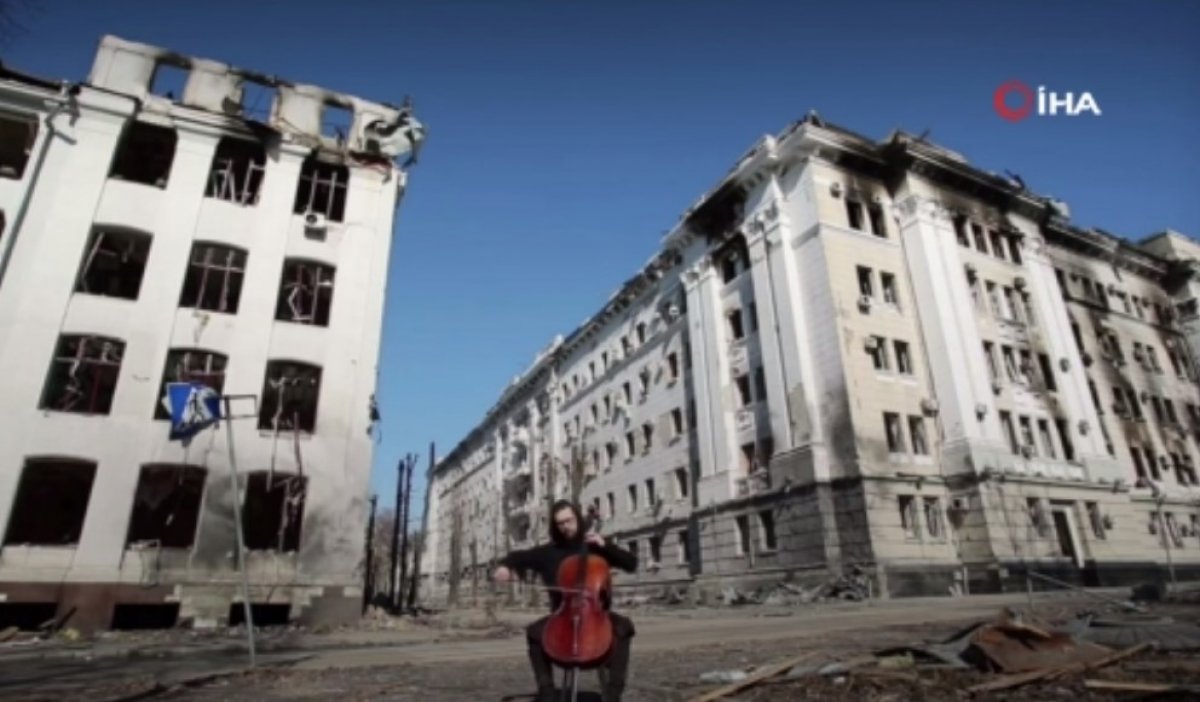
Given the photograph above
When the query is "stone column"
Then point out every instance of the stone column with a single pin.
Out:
(953, 345)
(710, 360)
(1052, 328)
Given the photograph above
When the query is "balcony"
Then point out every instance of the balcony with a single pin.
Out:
(757, 482)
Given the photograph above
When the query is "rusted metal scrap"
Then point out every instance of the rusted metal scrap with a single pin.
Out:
(1009, 647)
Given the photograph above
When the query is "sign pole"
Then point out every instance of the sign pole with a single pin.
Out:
(237, 521)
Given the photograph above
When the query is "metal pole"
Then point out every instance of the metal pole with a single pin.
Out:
(369, 574)
(237, 521)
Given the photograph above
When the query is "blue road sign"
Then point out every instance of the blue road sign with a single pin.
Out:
(194, 407)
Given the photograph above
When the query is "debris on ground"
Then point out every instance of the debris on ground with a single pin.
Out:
(1008, 652)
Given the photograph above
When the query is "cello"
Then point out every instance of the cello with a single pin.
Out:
(579, 634)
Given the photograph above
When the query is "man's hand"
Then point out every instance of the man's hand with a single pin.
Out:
(594, 539)
(502, 575)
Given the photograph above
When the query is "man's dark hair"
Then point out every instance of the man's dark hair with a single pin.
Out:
(555, 535)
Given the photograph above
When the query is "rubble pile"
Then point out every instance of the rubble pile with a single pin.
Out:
(1081, 655)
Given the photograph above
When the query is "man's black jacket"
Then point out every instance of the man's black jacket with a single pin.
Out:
(545, 559)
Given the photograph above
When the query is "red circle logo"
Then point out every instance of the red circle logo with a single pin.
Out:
(1013, 114)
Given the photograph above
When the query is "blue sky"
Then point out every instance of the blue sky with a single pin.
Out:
(566, 137)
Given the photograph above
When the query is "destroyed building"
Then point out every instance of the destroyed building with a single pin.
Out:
(178, 219)
(857, 354)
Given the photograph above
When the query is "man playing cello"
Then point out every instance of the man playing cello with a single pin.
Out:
(567, 538)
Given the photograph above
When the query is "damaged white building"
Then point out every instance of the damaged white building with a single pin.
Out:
(178, 219)
(858, 354)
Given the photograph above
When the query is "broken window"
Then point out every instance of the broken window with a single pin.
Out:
(916, 429)
(237, 172)
(83, 374)
(128, 617)
(610, 451)
(166, 506)
(672, 366)
(676, 422)
(1047, 439)
(1010, 431)
(933, 517)
(257, 100)
(651, 493)
(685, 553)
(736, 330)
(865, 286)
(908, 515)
(681, 483)
(647, 436)
(273, 511)
(630, 444)
(875, 214)
(114, 263)
(980, 241)
(641, 333)
(1027, 434)
(169, 80)
(214, 278)
(633, 498)
(289, 397)
(854, 214)
(766, 520)
(960, 230)
(17, 137)
(655, 549)
(144, 154)
(877, 350)
(305, 293)
(191, 366)
(51, 502)
(997, 244)
(895, 434)
(322, 189)
(743, 531)
(1047, 372)
(903, 360)
(336, 121)
(743, 390)
(888, 282)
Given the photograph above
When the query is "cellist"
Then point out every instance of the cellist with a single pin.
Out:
(567, 536)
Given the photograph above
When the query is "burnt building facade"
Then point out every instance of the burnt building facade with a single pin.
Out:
(858, 354)
(177, 219)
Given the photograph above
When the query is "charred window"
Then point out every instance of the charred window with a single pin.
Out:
(214, 278)
(322, 189)
(83, 374)
(52, 500)
(273, 511)
(166, 506)
(238, 168)
(191, 366)
(289, 397)
(305, 293)
(144, 154)
(17, 136)
(114, 264)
